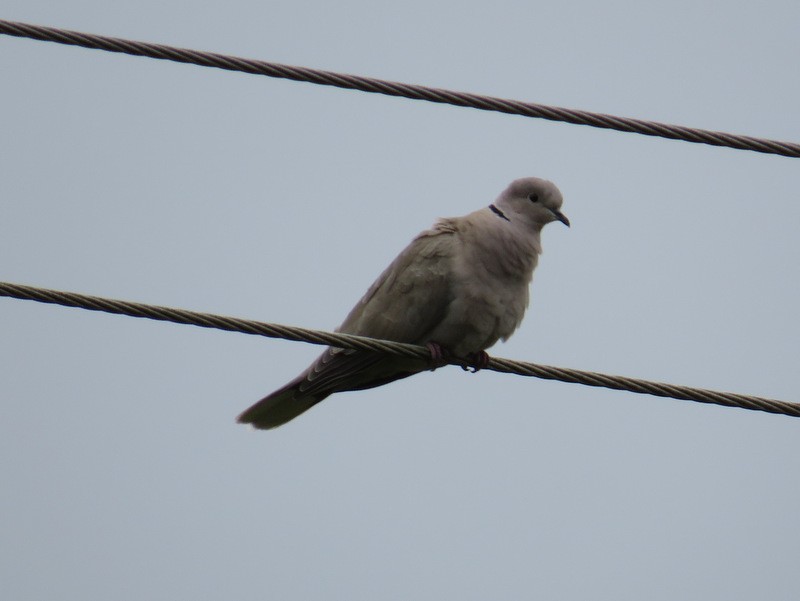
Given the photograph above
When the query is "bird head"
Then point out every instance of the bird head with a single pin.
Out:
(532, 200)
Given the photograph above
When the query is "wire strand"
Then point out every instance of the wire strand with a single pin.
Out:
(271, 330)
(392, 88)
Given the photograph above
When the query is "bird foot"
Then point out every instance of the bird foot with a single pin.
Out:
(476, 361)
(439, 355)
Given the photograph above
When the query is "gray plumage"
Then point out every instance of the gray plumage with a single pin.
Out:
(463, 284)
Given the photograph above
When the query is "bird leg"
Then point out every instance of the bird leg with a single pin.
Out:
(476, 361)
(439, 355)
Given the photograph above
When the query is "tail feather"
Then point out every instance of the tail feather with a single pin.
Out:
(334, 371)
(281, 406)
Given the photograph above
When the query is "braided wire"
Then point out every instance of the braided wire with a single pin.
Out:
(391, 88)
(271, 330)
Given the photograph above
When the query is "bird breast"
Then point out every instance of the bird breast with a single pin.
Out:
(491, 278)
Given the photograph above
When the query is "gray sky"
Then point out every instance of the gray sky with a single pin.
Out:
(124, 474)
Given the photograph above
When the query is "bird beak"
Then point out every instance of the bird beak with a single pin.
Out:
(561, 217)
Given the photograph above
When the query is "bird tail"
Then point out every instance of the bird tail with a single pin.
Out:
(334, 371)
(281, 406)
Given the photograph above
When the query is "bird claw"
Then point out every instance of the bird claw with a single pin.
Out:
(439, 355)
(476, 361)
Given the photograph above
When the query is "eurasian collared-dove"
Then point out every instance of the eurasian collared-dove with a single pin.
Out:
(459, 287)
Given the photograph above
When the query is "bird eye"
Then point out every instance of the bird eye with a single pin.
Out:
(533, 197)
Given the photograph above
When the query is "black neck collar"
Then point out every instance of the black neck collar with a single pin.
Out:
(499, 213)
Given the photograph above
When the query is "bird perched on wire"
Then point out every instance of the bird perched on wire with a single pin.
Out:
(458, 288)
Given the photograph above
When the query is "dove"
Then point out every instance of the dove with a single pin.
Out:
(458, 288)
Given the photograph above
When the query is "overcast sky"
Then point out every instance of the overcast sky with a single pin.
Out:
(124, 475)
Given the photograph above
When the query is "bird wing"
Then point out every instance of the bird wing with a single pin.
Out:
(407, 301)
(411, 296)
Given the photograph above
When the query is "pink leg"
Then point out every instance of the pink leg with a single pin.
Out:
(438, 355)
(477, 361)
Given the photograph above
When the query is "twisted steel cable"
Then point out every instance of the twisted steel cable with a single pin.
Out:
(391, 88)
(271, 330)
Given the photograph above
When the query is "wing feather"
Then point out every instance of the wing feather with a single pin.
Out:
(411, 296)
(405, 304)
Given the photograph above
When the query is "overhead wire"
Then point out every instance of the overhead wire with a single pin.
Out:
(438, 95)
(393, 88)
(349, 341)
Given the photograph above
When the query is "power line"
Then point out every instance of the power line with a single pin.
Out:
(245, 326)
(391, 88)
